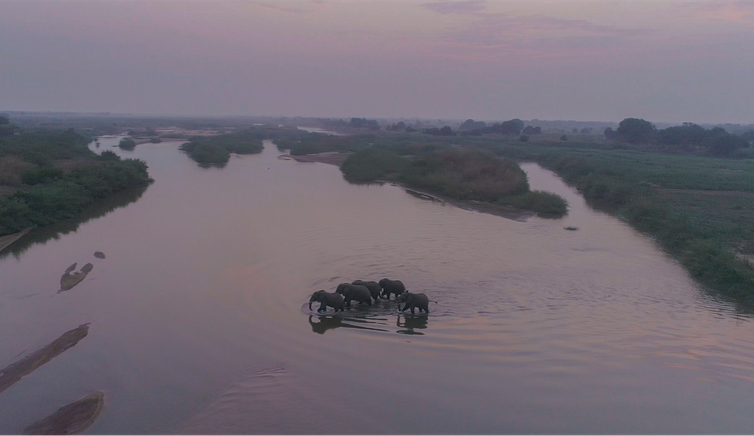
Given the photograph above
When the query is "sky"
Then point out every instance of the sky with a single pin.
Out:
(590, 60)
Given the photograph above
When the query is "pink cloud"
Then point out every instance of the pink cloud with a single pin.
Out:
(731, 10)
(521, 38)
(457, 7)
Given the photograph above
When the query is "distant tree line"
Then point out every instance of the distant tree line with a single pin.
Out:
(444, 131)
(400, 126)
(686, 138)
(363, 123)
(510, 127)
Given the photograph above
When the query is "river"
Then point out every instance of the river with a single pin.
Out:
(198, 321)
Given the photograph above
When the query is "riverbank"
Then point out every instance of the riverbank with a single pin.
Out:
(7, 240)
(698, 209)
(332, 158)
(55, 176)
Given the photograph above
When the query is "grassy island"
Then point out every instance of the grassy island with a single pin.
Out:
(47, 176)
(466, 174)
(216, 150)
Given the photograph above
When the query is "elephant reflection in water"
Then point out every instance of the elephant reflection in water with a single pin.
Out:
(409, 323)
(326, 323)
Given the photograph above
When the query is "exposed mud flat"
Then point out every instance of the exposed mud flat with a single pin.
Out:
(331, 157)
(73, 418)
(477, 206)
(15, 371)
(69, 279)
(13, 237)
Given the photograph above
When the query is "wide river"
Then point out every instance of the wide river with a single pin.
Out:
(198, 317)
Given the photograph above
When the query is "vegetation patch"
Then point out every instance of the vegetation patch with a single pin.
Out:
(699, 209)
(46, 194)
(127, 144)
(544, 203)
(216, 150)
(460, 173)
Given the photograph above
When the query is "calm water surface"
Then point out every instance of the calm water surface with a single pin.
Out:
(199, 325)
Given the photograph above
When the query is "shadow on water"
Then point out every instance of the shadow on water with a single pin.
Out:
(411, 322)
(329, 322)
(54, 231)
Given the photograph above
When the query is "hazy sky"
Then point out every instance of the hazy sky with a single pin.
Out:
(559, 59)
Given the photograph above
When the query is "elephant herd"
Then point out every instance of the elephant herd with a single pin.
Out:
(364, 292)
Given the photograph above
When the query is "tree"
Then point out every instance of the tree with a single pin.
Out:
(446, 131)
(512, 127)
(127, 144)
(636, 130)
(723, 143)
(472, 125)
(530, 130)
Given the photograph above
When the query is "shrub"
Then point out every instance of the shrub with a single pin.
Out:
(545, 204)
(34, 176)
(127, 144)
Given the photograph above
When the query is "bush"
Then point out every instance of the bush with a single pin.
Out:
(63, 198)
(109, 155)
(546, 204)
(127, 144)
(34, 176)
(373, 164)
(215, 150)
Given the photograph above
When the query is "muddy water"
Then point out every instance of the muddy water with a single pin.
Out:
(198, 321)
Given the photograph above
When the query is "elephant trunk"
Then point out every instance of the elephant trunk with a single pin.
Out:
(310, 303)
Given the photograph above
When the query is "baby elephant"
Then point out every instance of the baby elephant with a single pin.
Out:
(419, 301)
(392, 287)
(327, 299)
(374, 287)
(354, 292)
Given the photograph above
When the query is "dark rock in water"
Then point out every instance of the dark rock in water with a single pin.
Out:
(13, 372)
(73, 418)
(99, 255)
(69, 279)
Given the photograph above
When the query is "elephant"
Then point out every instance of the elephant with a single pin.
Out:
(327, 299)
(354, 292)
(392, 287)
(413, 301)
(374, 288)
